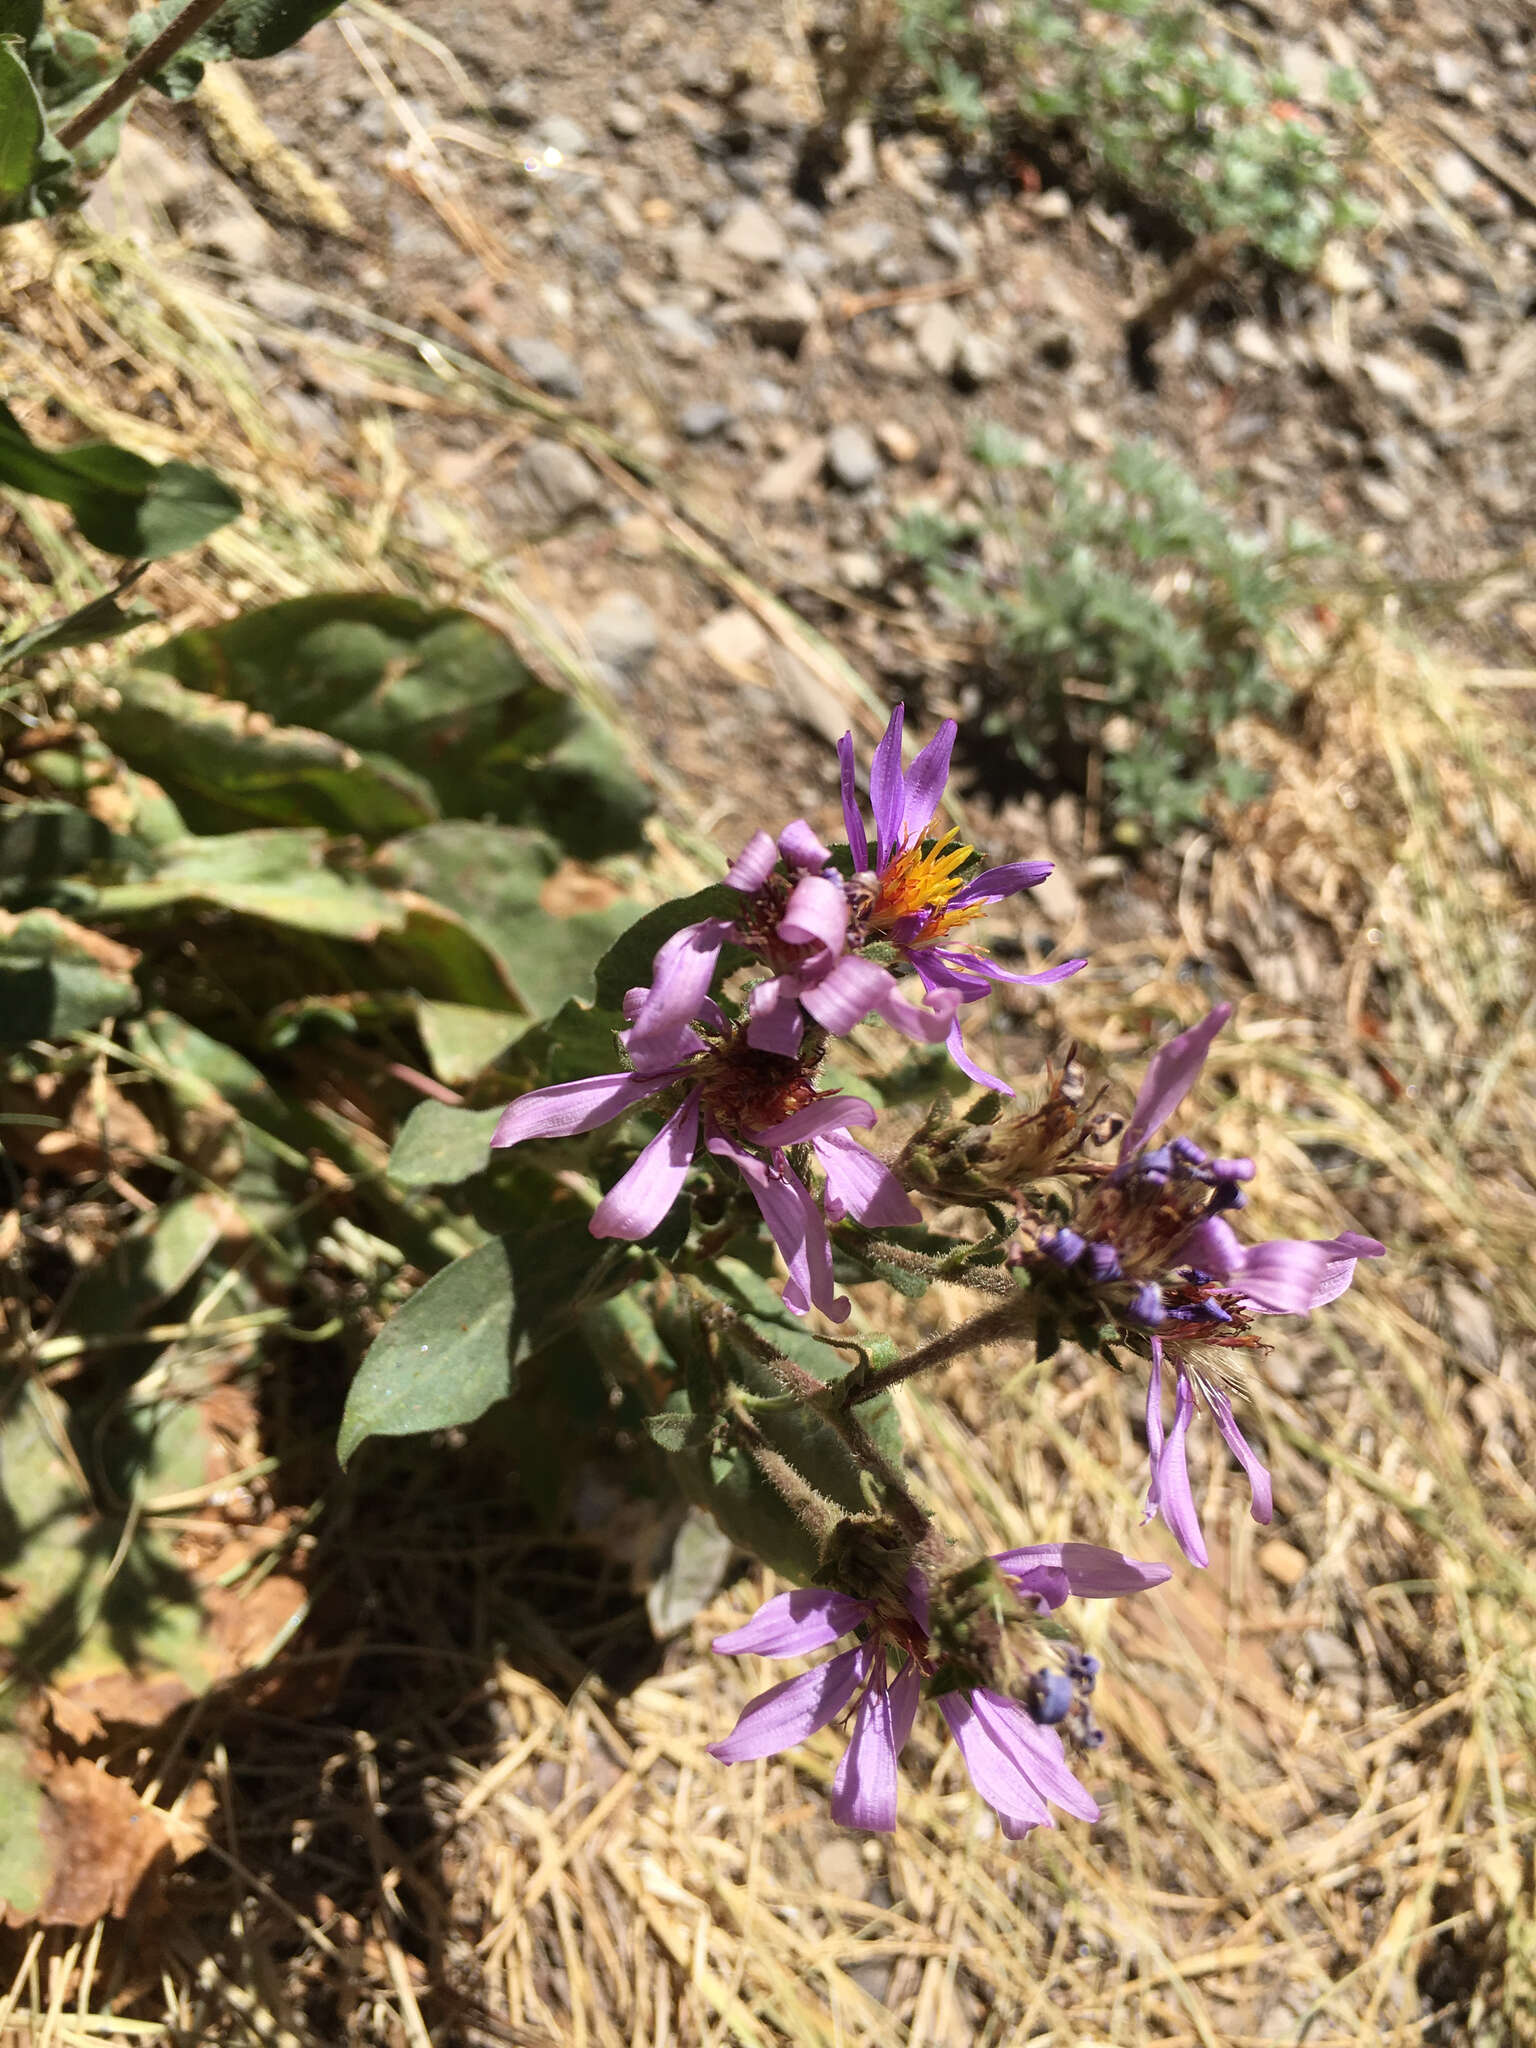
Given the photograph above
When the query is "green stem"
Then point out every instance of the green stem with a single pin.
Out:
(1007, 1319)
(133, 74)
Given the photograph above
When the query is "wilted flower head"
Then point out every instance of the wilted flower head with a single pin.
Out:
(1011, 1746)
(1150, 1250)
(747, 1107)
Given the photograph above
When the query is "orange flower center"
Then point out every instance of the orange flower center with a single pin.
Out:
(918, 883)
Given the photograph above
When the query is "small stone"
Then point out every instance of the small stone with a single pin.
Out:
(621, 630)
(792, 476)
(558, 480)
(782, 318)
(1283, 1562)
(625, 121)
(898, 441)
(1523, 618)
(766, 397)
(943, 235)
(236, 232)
(859, 569)
(938, 336)
(1391, 379)
(852, 458)
(1386, 500)
(1309, 71)
(681, 336)
(1055, 204)
(1253, 340)
(840, 1868)
(753, 235)
(1452, 74)
(1339, 270)
(705, 416)
(1455, 174)
(735, 640)
(862, 244)
(980, 359)
(546, 364)
(559, 131)
(1329, 1655)
(513, 103)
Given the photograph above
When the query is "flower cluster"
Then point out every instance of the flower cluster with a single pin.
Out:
(1150, 1251)
(747, 1086)
(1011, 1746)
(1133, 1250)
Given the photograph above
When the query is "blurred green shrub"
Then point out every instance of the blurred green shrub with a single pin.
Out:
(1140, 89)
(1122, 626)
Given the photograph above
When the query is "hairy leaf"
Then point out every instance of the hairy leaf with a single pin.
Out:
(21, 125)
(120, 502)
(440, 1147)
(57, 978)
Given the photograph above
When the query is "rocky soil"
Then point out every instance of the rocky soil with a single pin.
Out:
(618, 205)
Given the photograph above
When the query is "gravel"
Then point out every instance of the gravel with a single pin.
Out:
(852, 458)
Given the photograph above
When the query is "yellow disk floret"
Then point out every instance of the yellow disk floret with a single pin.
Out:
(917, 883)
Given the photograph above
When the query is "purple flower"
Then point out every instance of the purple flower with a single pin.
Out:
(909, 892)
(746, 1107)
(797, 922)
(1016, 1761)
(1180, 1271)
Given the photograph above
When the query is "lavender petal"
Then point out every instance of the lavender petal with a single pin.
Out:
(993, 884)
(853, 821)
(801, 848)
(571, 1107)
(1170, 1075)
(996, 1777)
(860, 1185)
(775, 1020)
(1258, 1474)
(1170, 1494)
(864, 1789)
(635, 1205)
(887, 790)
(792, 1711)
(1092, 1572)
(925, 781)
(754, 864)
(793, 1624)
(816, 914)
(796, 1226)
(826, 1113)
(683, 970)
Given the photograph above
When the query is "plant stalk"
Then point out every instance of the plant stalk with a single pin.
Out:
(133, 74)
(990, 1327)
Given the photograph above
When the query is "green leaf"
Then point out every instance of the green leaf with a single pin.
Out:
(57, 978)
(496, 878)
(120, 502)
(21, 125)
(696, 1567)
(149, 1264)
(26, 1855)
(225, 767)
(440, 1147)
(627, 963)
(439, 690)
(443, 1358)
(103, 618)
(674, 1429)
(240, 29)
(280, 877)
(462, 1039)
(21, 19)
(41, 843)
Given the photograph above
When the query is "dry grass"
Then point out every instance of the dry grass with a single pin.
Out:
(480, 1810)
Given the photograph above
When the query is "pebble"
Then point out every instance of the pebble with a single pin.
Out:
(1392, 380)
(862, 244)
(1283, 1562)
(898, 441)
(1329, 1655)
(782, 317)
(943, 235)
(852, 458)
(546, 364)
(625, 121)
(1452, 74)
(621, 630)
(735, 640)
(559, 131)
(558, 480)
(938, 336)
(793, 474)
(705, 416)
(753, 235)
(681, 335)
(1455, 174)
(1386, 499)
(979, 359)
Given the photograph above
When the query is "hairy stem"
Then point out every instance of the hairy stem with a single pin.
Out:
(813, 1510)
(133, 74)
(1007, 1319)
